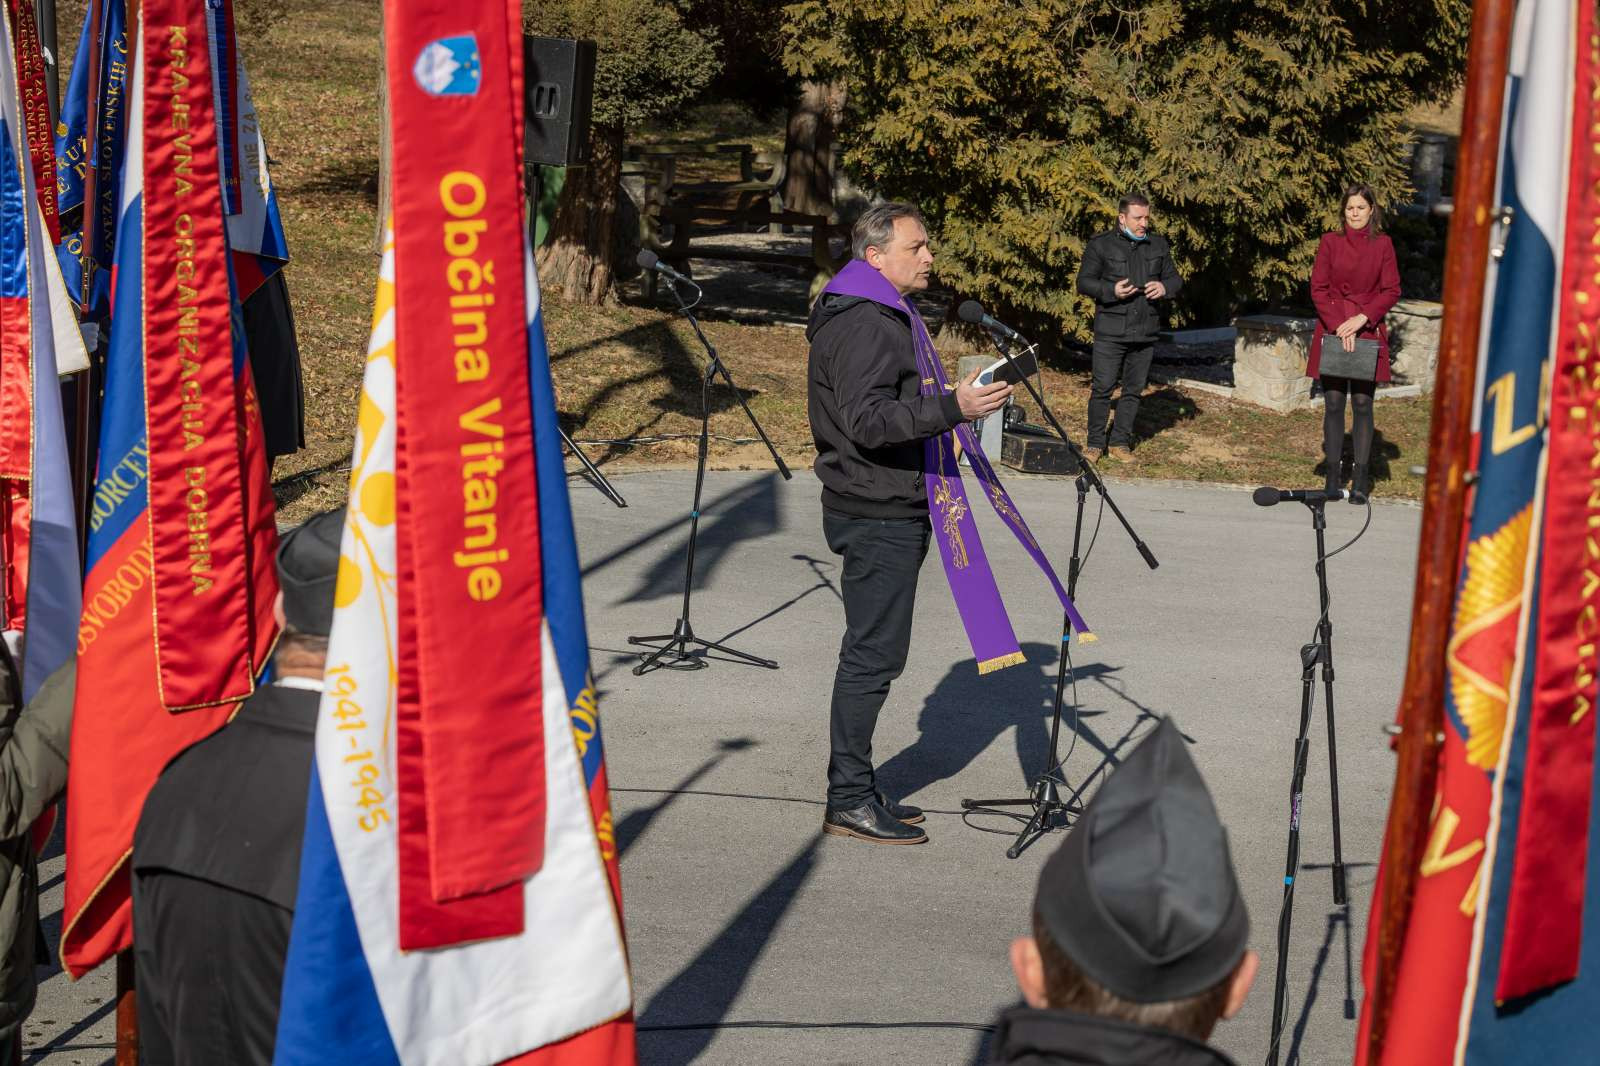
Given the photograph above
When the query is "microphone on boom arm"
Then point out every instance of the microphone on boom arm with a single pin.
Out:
(972, 311)
(1266, 496)
(651, 261)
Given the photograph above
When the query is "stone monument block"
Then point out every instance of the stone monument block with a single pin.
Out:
(1269, 361)
(1414, 341)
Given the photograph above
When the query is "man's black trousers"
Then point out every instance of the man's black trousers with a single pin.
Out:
(1115, 361)
(882, 558)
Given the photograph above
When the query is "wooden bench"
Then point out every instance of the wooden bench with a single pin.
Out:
(678, 215)
(691, 221)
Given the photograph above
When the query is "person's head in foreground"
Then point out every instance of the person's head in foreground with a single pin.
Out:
(1138, 916)
(308, 569)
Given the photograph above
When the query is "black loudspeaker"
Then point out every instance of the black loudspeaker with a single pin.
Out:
(559, 87)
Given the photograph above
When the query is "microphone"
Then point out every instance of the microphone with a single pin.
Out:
(651, 261)
(1266, 496)
(972, 311)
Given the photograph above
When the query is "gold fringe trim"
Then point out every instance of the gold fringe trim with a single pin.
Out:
(989, 666)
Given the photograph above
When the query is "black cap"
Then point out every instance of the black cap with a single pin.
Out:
(1142, 894)
(308, 568)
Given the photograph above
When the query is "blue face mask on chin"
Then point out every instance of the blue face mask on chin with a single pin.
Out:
(1126, 232)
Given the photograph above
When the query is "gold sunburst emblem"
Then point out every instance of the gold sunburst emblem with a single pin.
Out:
(1480, 671)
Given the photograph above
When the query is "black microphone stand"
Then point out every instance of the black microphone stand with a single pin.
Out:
(1050, 811)
(533, 177)
(1320, 651)
(676, 650)
(600, 482)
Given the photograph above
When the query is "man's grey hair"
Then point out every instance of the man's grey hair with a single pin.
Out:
(875, 227)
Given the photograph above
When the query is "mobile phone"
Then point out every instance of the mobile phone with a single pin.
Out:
(1027, 363)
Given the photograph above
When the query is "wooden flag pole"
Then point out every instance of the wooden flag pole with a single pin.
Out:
(127, 994)
(127, 1012)
(1421, 715)
(91, 175)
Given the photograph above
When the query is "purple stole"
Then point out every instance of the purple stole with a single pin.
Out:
(983, 613)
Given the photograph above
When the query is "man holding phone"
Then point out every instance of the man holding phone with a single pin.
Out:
(1124, 271)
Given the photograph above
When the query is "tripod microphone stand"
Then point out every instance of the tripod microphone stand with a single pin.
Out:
(532, 181)
(1050, 811)
(676, 650)
(606, 488)
(1319, 652)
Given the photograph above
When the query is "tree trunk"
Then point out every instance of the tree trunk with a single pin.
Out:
(808, 147)
(576, 258)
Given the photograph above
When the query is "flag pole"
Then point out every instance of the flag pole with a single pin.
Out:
(91, 176)
(1421, 713)
(44, 13)
(127, 994)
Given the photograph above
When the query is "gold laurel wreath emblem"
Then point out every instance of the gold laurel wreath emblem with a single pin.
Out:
(1493, 591)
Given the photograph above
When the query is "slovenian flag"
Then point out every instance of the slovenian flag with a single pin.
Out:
(100, 109)
(1500, 957)
(459, 900)
(255, 230)
(97, 99)
(43, 581)
(128, 722)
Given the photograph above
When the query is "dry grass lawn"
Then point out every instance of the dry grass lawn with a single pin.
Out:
(629, 377)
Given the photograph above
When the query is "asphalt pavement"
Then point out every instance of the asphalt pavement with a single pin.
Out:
(756, 939)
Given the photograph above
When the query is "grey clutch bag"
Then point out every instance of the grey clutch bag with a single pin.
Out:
(1361, 364)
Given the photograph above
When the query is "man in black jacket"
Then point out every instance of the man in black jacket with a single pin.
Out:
(1140, 936)
(1124, 271)
(869, 420)
(216, 856)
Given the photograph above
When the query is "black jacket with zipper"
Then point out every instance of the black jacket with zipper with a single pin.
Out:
(868, 415)
(1029, 1037)
(1108, 259)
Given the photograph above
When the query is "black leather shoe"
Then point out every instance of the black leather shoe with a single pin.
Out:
(903, 812)
(870, 822)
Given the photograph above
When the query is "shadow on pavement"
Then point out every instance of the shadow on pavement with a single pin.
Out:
(636, 822)
(964, 714)
(701, 993)
(746, 512)
(63, 1040)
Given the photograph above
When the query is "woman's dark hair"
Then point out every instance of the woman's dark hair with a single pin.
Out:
(1066, 987)
(1365, 192)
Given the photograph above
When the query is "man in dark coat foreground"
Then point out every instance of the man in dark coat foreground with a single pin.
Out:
(1139, 930)
(216, 857)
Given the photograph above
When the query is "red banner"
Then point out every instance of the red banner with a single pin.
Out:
(31, 79)
(1544, 909)
(197, 521)
(471, 740)
(16, 450)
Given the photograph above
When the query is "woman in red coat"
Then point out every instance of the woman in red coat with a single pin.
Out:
(1354, 284)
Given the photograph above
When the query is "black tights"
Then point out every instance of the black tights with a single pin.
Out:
(1333, 394)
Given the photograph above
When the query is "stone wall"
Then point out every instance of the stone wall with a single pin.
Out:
(1269, 360)
(1414, 341)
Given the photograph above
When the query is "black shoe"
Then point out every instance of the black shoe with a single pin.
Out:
(870, 822)
(1332, 482)
(903, 812)
(1360, 485)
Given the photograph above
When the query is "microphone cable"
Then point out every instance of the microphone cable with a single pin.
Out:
(1316, 630)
